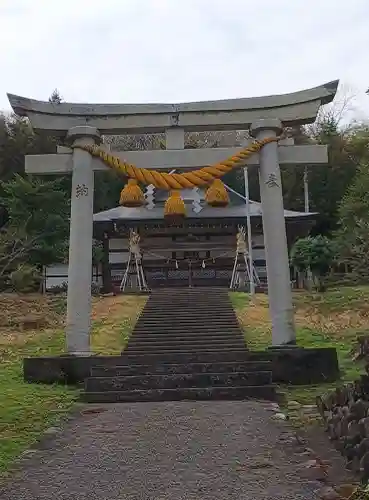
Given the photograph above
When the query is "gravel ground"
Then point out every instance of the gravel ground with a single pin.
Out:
(162, 451)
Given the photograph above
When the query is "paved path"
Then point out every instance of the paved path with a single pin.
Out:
(162, 451)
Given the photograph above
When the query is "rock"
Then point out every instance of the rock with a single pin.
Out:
(359, 409)
(288, 438)
(314, 471)
(310, 451)
(309, 409)
(354, 430)
(340, 445)
(364, 427)
(300, 440)
(362, 448)
(52, 430)
(364, 467)
(355, 464)
(279, 416)
(334, 427)
(346, 490)
(310, 463)
(29, 452)
(293, 405)
(328, 493)
(349, 453)
(343, 395)
(92, 411)
(344, 425)
(260, 464)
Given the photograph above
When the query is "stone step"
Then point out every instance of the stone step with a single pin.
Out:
(190, 297)
(185, 295)
(191, 317)
(196, 324)
(183, 351)
(191, 334)
(183, 299)
(177, 381)
(262, 392)
(181, 336)
(183, 346)
(207, 313)
(229, 356)
(208, 318)
(189, 291)
(174, 301)
(170, 305)
(207, 356)
(206, 341)
(191, 321)
(167, 368)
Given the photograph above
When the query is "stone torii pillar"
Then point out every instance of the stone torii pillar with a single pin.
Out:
(80, 243)
(275, 239)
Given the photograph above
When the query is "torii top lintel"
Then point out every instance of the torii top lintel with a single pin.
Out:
(228, 114)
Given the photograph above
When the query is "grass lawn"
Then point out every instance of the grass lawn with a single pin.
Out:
(26, 410)
(331, 319)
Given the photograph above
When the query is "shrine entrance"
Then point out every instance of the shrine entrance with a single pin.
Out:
(189, 272)
(192, 272)
(174, 169)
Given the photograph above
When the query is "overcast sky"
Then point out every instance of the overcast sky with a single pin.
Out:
(182, 50)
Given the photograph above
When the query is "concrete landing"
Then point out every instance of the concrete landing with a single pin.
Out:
(159, 451)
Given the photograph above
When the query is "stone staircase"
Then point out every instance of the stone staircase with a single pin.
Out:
(186, 345)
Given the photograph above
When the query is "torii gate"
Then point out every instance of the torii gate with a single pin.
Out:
(84, 124)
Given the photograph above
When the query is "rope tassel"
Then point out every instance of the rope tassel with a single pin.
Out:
(217, 195)
(132, 195)
(174, 207)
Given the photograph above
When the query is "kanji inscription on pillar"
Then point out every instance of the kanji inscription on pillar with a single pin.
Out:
(272, 181)
(81, 190)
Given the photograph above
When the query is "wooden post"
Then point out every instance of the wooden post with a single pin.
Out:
(105, 265)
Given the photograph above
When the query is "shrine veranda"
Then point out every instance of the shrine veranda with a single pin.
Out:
(82, 125)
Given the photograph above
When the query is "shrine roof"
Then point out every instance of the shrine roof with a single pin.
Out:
(142, 214)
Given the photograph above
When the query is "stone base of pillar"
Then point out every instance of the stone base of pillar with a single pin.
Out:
(285, 346)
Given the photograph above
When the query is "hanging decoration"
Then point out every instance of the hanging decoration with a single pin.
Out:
(216, 195)
(174, 207)
(131, 195)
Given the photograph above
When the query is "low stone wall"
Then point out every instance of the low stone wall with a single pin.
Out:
(345, 412)
(293, 366)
